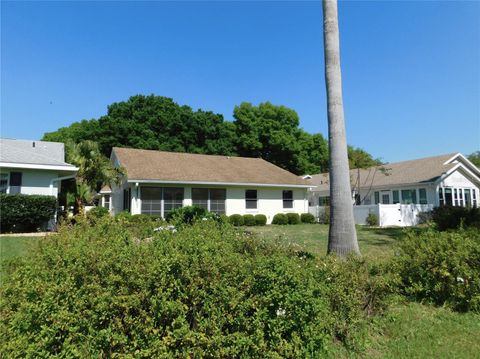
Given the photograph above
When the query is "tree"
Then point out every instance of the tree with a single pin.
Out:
(475, 158)
(272, 132)
(342, 237)
(94, 171)
(358, 158)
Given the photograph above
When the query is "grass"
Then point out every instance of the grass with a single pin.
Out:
(13, 246)
(408, 329)
(414, 330)
(375, 243)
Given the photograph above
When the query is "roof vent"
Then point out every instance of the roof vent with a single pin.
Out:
(33, 144)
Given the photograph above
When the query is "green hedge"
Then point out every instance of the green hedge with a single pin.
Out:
(307, 218)
(441, 267)
(204, 291)
(248, 220)
(26, 213)
(451, 217)
(293, 218)
(260, 219)
(280, 218)
(236, 220)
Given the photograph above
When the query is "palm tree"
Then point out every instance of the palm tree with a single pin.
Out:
(342, 237)
(94, 171)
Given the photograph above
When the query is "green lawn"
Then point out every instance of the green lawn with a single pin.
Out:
(407, 330)
(375, 243)
(14, 246)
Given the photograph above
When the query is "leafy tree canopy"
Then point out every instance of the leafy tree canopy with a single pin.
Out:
(475, 158)
(155, 122)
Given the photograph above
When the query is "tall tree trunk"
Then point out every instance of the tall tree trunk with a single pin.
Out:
(342, 237)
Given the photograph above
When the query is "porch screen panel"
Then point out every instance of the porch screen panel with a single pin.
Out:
(217, 200)
(151, 200)
(200, 197)
(422, 193)
(173, 198)
(448, 196)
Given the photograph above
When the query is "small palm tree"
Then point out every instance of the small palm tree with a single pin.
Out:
(94, 171)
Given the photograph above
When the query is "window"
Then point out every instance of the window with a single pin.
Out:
(385, 198)
(474, 198)
(3, 182)
(200, 197)
(323, 201)
(447, 196)
(422, 194)
(211, 199)
(441, 200)
(106, 201)
(409, 196)
(287, 197)
(15, 182)
(455, 196)
(396, 197)
(151, 200)
(251, 199)
(377, 197)
(172, 198)
(127, 195)
(468, 200)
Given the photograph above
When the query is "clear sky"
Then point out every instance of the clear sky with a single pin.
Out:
(411, 70)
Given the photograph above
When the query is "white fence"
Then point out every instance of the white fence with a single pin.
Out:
(402, 215)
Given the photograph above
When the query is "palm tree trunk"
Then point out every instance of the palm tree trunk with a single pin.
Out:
(342, 237)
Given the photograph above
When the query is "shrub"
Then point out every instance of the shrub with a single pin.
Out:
(97, 212)
(442, 267)
(236, 220)
(324, 217)
(293, 218)
(186, 215)
(372, 219)
(205, 291)
(27, 213)
(425, 217)
(307, 218)
(451, 217)
(248, 220)
(280, 218)
(260, 219)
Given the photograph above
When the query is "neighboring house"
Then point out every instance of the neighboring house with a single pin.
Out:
(156, 182)
(33, 167)
(397, 192)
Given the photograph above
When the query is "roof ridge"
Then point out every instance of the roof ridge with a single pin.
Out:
(187, 153)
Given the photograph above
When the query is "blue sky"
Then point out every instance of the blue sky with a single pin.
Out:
(411, 70)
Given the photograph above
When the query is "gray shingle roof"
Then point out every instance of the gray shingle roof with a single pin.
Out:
(32, 152)
(421, 170)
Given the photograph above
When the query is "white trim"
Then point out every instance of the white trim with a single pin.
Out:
(58, 179)
(39, 167)
(222, 183)
(467, 163)
(455, 168)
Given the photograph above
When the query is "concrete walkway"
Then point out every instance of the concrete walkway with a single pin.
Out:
(33, 234)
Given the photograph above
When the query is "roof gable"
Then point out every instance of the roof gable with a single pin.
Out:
(160, 166)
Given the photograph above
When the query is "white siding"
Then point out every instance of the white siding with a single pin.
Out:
(269, 200)
(37, 181)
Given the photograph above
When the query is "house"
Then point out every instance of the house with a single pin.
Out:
(156, 182)
(33, 167)
(397, 192)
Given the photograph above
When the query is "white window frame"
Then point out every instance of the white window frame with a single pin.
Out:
(209, 199)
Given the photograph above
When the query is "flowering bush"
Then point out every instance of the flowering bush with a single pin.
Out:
(207, 290)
